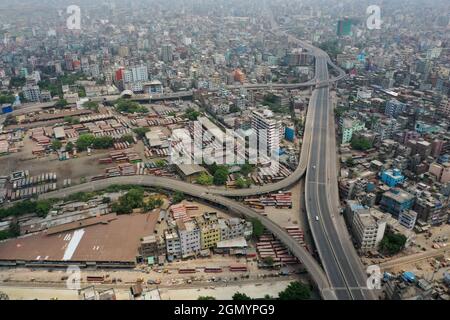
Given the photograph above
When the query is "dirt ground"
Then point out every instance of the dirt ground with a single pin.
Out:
(219, 291)
(76, 169)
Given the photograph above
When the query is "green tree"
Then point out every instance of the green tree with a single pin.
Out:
(205, 179)
(85, 141)
(246, 169)
(268, 261)
(17, 82)
(295, 291)
(234, 109)
(69, 146)
(242, 183)
(91, 105)
(360, 143)
(127, 106)
(43, 208)
(56, 145)
(392, 243)
(258, 228)
(133, 199)
(61, 103)
(221, 176)
(128, 138)
(7, 98)
(178, 197)
(241, 297)
(105, 142)
(191, 114)
(140, 132)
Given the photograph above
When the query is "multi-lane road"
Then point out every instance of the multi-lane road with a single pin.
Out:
(336, 252)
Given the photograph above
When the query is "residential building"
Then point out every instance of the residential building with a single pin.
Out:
(267, 129)
(349, 127)
(152, 246)
(189, 238)
(392, 177)
(440, 171)
(173, 244)
(394, 108)
(396, 201)
(408, 219)
(32, 93)
(368, 231)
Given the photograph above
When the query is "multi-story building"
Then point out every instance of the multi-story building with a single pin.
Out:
(392, 177)
(431, 209)
(209, 229)
(173, 244)
(209, 236)
(32, 93)
(394, 108)
(408, 219)
(167, 53)
(396, 201)
(135, 77)
(267, 130)
(440, 171)
(349, 127)
(368, 231)
(152, 246)
(189, 238)
(234, 228)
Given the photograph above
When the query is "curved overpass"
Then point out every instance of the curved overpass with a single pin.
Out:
(311, 265)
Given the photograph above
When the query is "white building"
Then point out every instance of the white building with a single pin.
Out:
(407, 219)
(234, 228)
(173, 245)
(367, 230)
(189, 238)
(135, 77)
(32, 93)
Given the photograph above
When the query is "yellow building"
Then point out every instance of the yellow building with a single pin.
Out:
(209, 236)
(209, 230)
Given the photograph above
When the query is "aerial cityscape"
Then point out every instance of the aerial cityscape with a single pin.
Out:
(224, 150)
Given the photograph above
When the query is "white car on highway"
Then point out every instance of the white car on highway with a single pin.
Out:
(317, 218)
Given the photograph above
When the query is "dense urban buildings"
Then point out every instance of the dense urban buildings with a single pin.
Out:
(126, 132)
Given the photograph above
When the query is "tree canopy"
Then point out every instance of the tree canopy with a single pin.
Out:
(295, 291)
(191, 114)
(205, 179)
(392, 243)
(133, 199)
(360, 143)
(258, 228)
(140, 132)
(241, 296)
(127, 106)
(178, 197)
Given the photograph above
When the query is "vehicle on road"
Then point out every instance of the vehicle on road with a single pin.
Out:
(317, 218)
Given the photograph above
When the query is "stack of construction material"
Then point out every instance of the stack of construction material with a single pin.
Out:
(269, 247)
